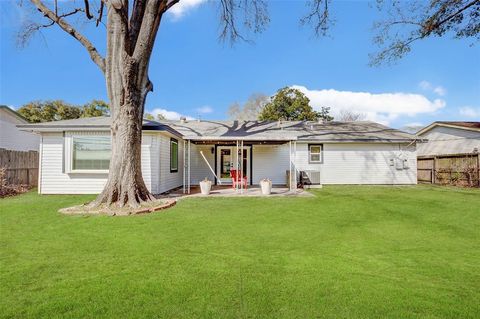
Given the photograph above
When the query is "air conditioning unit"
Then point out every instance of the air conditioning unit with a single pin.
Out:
(310, 179)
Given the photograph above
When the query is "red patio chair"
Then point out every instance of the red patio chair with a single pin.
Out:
(236, 179)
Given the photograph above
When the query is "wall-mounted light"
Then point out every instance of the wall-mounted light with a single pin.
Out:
(212, 150)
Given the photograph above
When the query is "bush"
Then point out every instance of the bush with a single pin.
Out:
(9, 190)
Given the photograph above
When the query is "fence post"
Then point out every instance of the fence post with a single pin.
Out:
(478, 169)
(434, 175)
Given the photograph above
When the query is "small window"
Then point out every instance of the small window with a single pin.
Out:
(173, 155)
(315, 153)
(91, 153)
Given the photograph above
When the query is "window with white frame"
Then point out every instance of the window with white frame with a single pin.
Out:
(315, 153)
(173, 155)
(91, 153)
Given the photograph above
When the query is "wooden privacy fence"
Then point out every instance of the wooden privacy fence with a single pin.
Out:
(21, 167)
(452, 169)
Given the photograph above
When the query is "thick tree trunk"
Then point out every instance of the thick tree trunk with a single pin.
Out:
(125, 185)
(127, 82)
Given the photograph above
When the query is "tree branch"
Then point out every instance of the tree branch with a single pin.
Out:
(87, 9)
(319, 17)
(92, 51)
(150, 23)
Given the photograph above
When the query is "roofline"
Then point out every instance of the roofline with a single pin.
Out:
(62, 128)
(14, 113)
(434, 124)
(238, 138)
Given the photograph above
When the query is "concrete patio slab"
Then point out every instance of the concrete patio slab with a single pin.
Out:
(228, 191)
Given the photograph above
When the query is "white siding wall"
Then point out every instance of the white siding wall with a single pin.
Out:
(367, 164)
(199, 169)
(11, 138)
(270, 161)
(164, 179)
(342, 163)
(54, 177)
(446, 140)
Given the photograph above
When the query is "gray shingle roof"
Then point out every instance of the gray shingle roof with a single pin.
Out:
(289, 130)
(248, 130)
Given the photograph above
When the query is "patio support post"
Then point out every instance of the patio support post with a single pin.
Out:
(290, 165)
(189, 153)
(236, 162)
(295, 164)
(184, 164)
(241, 167)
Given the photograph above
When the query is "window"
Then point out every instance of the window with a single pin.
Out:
(315, 153)
(91, 153)
(173, 155)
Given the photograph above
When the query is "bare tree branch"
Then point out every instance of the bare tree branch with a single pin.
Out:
(170, 3)
(87, 9)
(100, 13)
(417, 21)
(318, 17)
(92, 51)
(251, 14)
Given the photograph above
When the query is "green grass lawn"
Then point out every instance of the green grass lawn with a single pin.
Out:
(349, 252)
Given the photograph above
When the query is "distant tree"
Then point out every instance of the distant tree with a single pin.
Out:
(324, 114)
(412, 128)
(46, 111)
(95, 108)
(250, 110)
(350, 116)
(56, 110)
(290, 104)
(149, 116)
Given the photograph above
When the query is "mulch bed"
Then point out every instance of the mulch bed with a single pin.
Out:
(151, 207)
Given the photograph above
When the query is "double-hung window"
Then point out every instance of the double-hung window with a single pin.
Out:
(173, 155)
(91, 153)
(315, 153)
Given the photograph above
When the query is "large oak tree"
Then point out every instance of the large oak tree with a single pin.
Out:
(132, 28)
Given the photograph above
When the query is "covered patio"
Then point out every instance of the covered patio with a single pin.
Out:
(235, 154)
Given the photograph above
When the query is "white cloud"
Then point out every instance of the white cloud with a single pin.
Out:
(170, 115)
(181, 8)
(382, 107)
(205, 109)
(470, 112)
(414, 124)
(440, 90)
(427, 86)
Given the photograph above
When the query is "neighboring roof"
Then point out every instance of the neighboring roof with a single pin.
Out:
(14, 113)
(471, 126)
(246, 130)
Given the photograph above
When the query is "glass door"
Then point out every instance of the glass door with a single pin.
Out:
(226, 161)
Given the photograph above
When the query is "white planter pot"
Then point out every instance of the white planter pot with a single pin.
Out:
(266, 187)
(205, 187)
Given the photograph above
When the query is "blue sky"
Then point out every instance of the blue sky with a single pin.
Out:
(196, 75)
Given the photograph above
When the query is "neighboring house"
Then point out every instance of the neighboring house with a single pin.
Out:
(12, 138)
(446, 138)
(74, 154)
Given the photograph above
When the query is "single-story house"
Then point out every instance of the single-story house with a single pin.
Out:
(12, 138)
(75, 154)
(447, 138)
